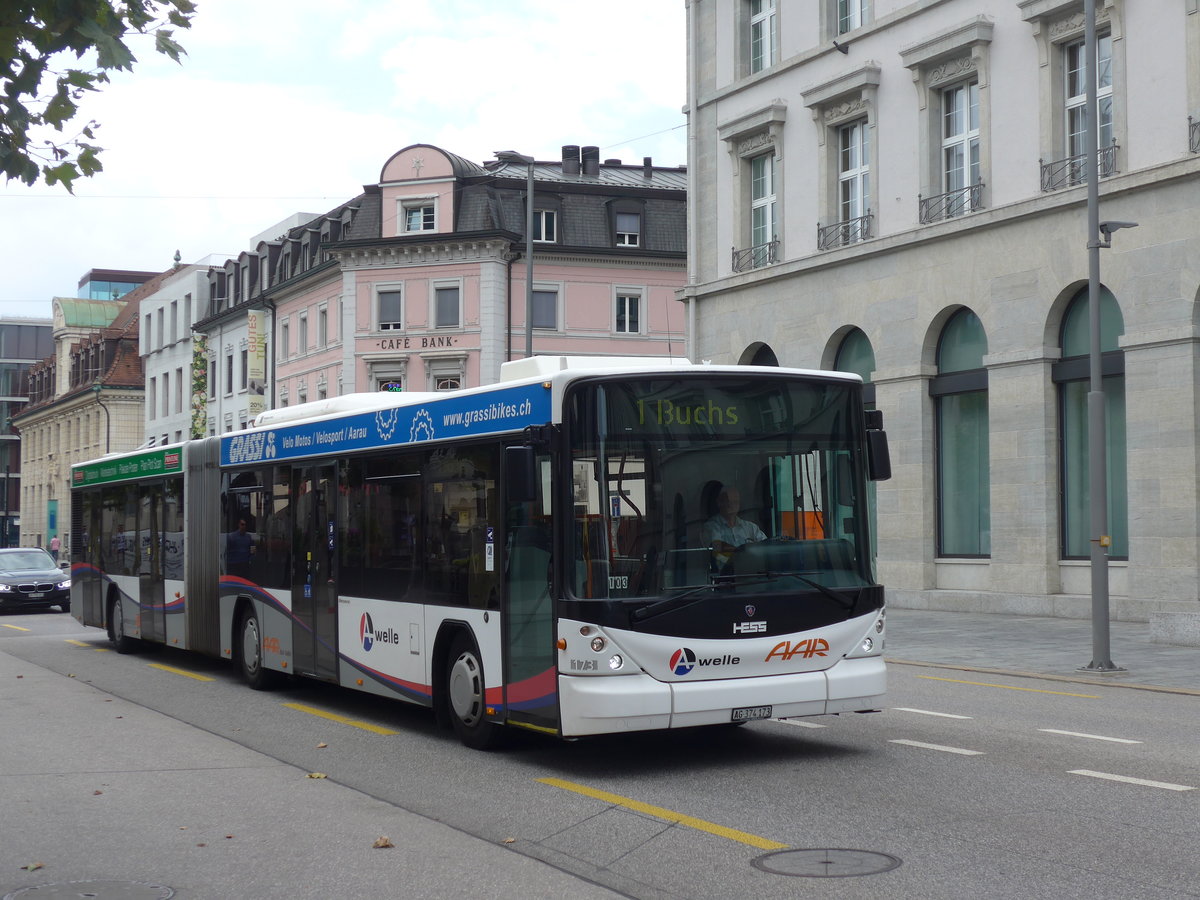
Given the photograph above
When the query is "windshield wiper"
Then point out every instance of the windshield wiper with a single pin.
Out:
(836, 598)
(679, 601)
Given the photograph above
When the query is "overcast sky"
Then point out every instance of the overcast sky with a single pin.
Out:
(283, 106)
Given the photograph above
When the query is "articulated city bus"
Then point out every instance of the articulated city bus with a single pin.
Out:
(588, 546)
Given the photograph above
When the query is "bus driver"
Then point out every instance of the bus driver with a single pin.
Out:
(727, 531)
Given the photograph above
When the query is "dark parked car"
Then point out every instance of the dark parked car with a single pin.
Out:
(29, 577)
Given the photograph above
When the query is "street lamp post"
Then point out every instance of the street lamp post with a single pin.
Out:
(107, 419)
(1097, 450)
(513, 157)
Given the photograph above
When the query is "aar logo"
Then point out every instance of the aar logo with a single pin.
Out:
(366, 631)
(683, 661)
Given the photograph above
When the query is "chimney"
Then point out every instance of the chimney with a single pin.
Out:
(570, 159)
(612, 162)
(591, 161)
(647, 167)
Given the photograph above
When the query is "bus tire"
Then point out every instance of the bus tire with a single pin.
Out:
(122, 642)
(466, 703)
(250, 656)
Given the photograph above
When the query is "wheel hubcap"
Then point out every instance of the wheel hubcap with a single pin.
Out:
(250, 645)
(466, 689)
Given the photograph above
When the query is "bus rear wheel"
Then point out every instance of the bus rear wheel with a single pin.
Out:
(465, 693)
(122, 642)
(250, 656)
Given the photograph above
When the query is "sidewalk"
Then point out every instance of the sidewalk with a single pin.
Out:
(130, 804)
(1042, 646)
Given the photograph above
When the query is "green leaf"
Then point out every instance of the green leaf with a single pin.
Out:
(65, 172)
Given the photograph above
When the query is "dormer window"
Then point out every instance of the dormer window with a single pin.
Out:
(419, 217)
(628, 229)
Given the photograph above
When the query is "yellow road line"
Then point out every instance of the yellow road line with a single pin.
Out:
(1009, 687)
(184, 672)
(334, 717)
(16, 628)
(87, 646)
(659, 812)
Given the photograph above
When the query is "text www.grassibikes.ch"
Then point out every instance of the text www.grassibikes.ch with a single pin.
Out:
(493, 412)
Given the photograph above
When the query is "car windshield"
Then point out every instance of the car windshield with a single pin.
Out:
(753, 485)
(21, 560)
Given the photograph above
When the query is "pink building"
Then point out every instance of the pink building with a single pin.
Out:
(419, 283)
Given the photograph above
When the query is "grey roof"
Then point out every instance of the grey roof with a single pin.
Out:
(626, 176)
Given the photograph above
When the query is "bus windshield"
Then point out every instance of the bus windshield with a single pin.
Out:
(722, 482)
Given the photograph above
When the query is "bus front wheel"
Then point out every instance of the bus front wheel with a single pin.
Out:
(465, 689)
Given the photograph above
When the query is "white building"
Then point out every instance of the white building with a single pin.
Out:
(901, 185)
(168, 356)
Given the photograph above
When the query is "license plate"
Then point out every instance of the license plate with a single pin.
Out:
(36, 595)
(746, 713)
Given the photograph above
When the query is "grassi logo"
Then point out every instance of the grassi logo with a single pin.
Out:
(684, 660)
(368, 635)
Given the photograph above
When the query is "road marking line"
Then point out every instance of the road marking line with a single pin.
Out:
(344, 720)
(929, 712)
(659, 812)
(800, 723)
(86, 645)
(1165, 785)
(184, 672)
(925, 746)
(1094, 737)
(1009, 687)
(16, 628)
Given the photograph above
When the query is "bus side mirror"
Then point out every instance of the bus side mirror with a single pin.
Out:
(879, 458)
(520, 471)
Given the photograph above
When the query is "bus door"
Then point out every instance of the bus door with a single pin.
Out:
(531, 677)
(151, 590)
(314, 572)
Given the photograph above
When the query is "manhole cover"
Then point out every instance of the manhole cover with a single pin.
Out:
(831, 863)
(99, 890)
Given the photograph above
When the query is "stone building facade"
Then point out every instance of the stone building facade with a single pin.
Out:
(902, 186)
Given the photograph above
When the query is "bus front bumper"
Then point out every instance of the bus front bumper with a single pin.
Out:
(618, 703)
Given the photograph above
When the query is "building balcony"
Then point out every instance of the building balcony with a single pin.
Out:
(950, 204)
(756, 257)
(1064, 173)
(843, 234)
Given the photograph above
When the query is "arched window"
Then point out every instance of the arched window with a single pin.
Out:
(856, 355)
(1071, 375)
(959, 393)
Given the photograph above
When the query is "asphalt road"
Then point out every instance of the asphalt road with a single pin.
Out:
(968, 784)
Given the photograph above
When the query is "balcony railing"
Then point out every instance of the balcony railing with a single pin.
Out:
(1071, 171)
(756, 257)
(950, 204)
(1193, 135)
(842, 234)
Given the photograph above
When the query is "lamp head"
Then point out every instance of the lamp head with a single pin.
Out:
(1109, 227)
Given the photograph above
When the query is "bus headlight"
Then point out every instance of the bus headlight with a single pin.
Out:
(868, 645)
(615, 662)
(598, 643)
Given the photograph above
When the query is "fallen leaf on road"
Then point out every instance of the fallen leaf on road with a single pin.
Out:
(33, 867)
(317, 775)
(322, 745)
(510, 840)
(97, 793)
(229, 837)
(383, 842)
